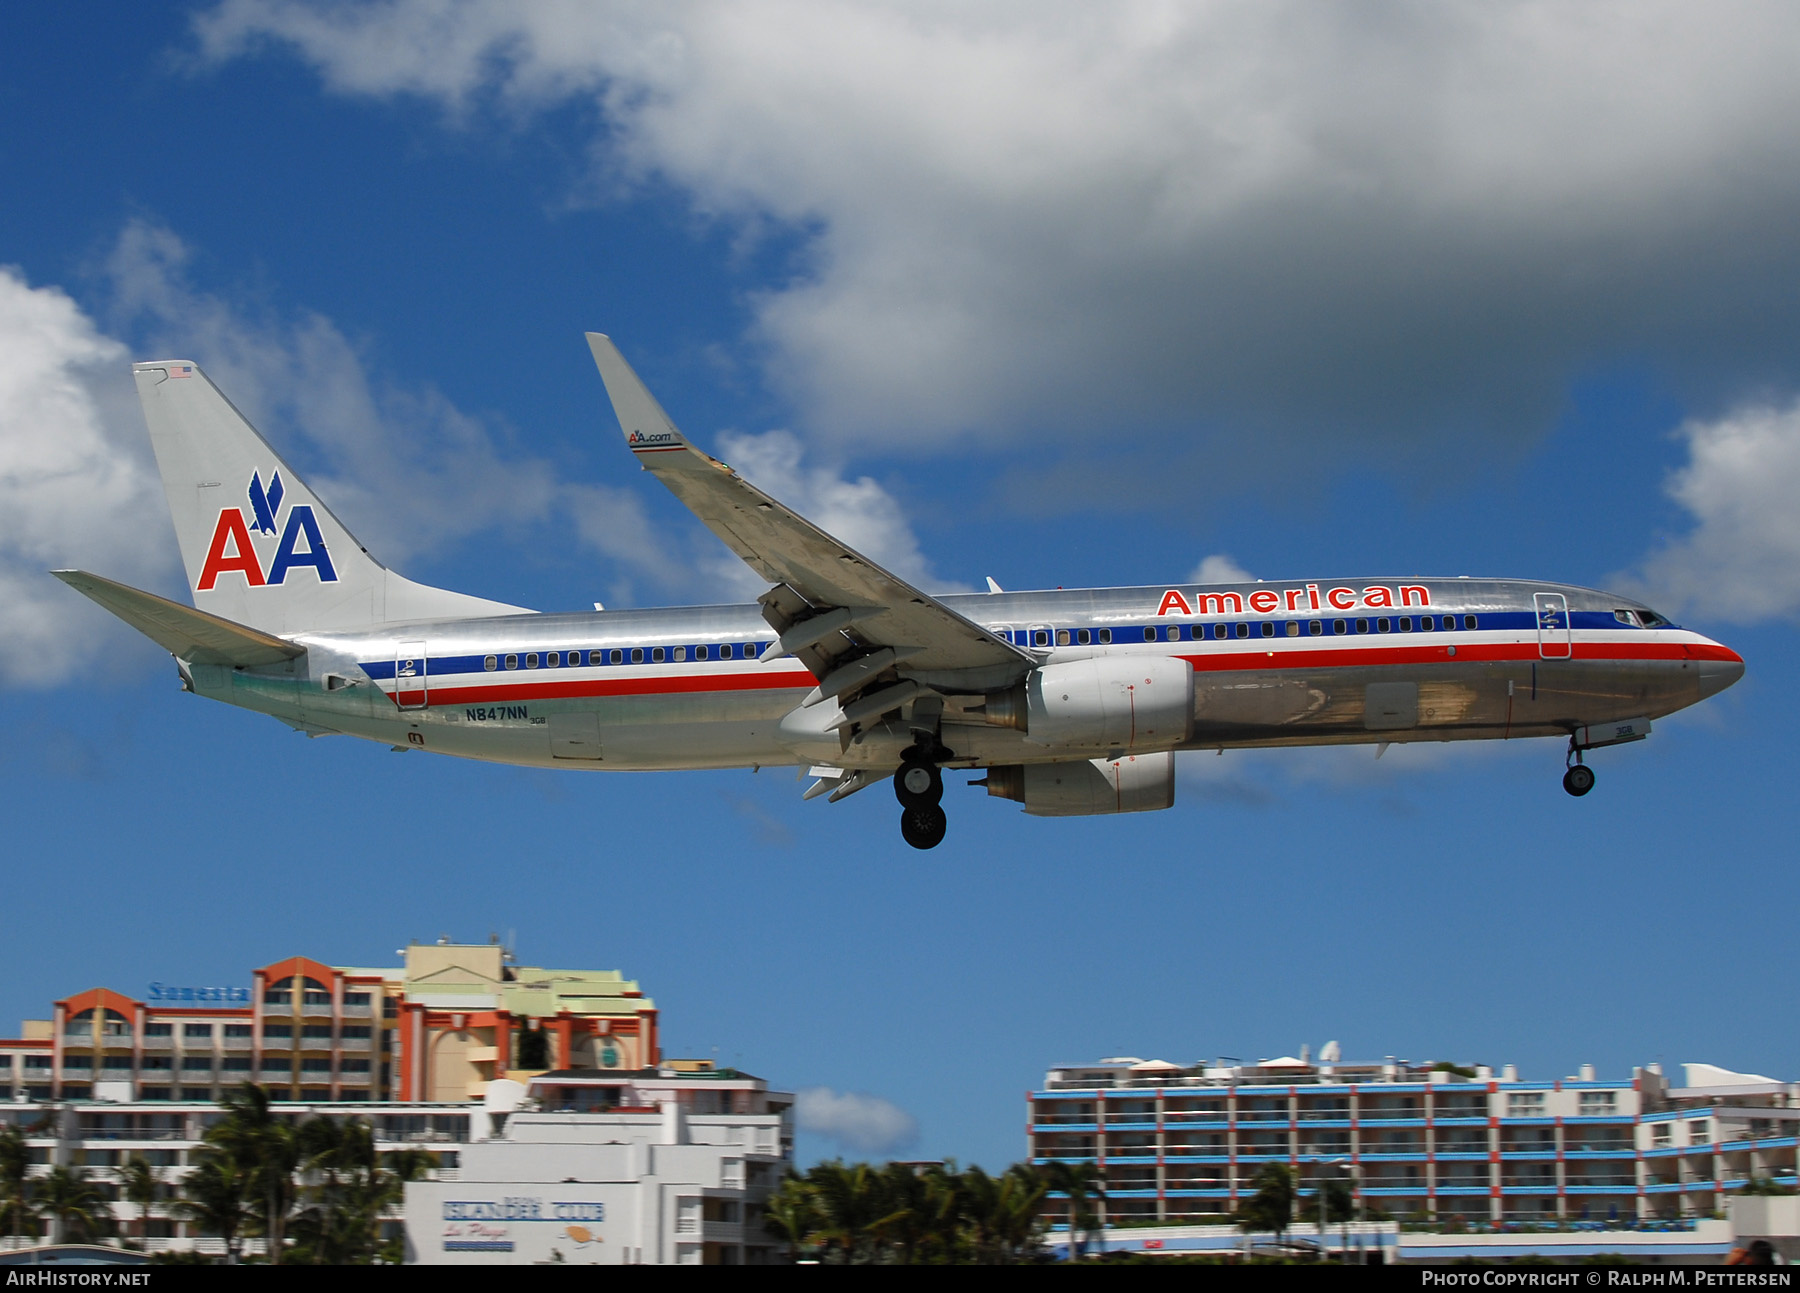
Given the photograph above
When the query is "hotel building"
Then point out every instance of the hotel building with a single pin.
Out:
(1419, 1141)
(439, 1028)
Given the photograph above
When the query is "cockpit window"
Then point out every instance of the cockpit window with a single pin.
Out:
(1652, 620)
(1626, 617)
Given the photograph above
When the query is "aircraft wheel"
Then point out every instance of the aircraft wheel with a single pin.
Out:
(918, 784)
(1578, 780)
(924, 826)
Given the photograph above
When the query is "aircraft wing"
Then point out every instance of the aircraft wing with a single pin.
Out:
(835, 585)
(193, 635)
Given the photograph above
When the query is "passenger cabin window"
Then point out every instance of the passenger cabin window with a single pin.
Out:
(1040, 637)
(1243, 630)
(1083, 637)
(1362, 626)
(512, 662)
(531, 660)
(637, 655)
(1382, 624)
(680, 653)
(656, 655)
(1315, 627)
(1293, 628)
(1150, 634)
(489, 662)
(1406, 624)
(617, 656)
(1469, 621)
(1427, 623)
(700, 653)
(1268, 628)
(1105, 637)
(1339, 626)
(1062, 636)
(725, 651)
(552, 659)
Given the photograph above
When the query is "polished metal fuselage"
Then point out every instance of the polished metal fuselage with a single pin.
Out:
(1507, 669)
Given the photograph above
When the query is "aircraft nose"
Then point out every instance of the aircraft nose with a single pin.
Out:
(1723, 668)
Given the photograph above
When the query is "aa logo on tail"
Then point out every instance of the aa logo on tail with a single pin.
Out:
(232, 550)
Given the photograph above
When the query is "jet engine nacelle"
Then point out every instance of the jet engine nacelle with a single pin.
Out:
(1138, 783)
(1107, 702)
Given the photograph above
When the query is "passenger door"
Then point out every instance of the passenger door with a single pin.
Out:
(410, 683)
(1555, 641)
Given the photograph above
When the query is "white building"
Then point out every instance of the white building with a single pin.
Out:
(661, 1166)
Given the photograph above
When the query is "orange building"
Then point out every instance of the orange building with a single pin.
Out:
(452, 1019)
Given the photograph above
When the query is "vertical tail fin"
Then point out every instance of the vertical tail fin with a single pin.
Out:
(259, 548)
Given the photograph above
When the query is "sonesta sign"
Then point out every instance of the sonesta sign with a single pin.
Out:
(1268, 601)
(224, 996)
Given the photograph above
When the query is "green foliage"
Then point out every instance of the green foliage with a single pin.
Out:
(858, 1214)
(1763, 1186)
(15, 1193)
(1271, 1208)
(320, 1182)
(74, 1204)
(1445, 1066)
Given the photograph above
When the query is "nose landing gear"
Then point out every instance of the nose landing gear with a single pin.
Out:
(919, 786)
(1579, 779)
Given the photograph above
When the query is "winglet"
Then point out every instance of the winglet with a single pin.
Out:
(648, 430)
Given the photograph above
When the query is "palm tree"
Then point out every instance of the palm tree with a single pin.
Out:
(267, 1149)
(1077, 1181)
(217, 1195)
(791, 1213)
(73, 1203)
(852, 1206)
(139, 1181)
(1272, 1206)
(15, 1162)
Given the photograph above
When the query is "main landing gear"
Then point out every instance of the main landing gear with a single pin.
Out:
(1579, 779)
(919, 786)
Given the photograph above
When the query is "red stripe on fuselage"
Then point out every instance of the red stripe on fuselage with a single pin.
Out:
(489, 694)
(1356, 655)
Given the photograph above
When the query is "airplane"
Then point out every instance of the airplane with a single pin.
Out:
(1072, 702)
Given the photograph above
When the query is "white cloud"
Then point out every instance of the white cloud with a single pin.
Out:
(1401, 221)
(1220, 569)
(1741, 560)
(77, 489)
(406, 469)
(863, 1124)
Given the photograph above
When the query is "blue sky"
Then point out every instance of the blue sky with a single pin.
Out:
(1057, 297)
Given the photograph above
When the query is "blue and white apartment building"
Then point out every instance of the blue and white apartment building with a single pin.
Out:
(1181, 1143)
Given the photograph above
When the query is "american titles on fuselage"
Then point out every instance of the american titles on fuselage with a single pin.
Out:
(1269, 601)
(233, 551)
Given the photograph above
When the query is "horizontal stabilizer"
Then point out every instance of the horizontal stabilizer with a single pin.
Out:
(192, 635)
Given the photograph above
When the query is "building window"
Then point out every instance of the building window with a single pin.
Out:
(117, 1062)
(356, 998)
(278, 1032)
(1525, 1104)
(1598, 1104)
(236, 1064)
(315, 1066)
(196, 1064)
(315, 1032)
(159, 1030)
(355, 1066)
(37, 1061)
(238, 1030)
(158, 1062)
(354, 1030)
(1698, 1133)
(1659, 1135)
(197, 1030)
